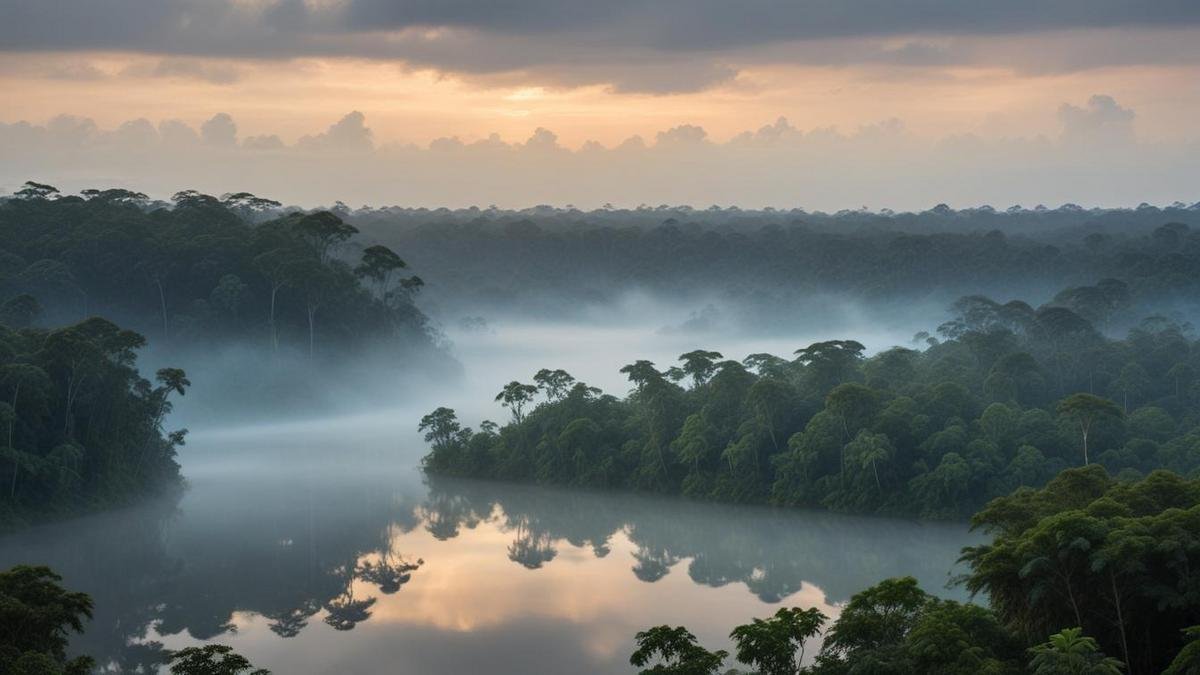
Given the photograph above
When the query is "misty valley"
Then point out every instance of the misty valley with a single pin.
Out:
(239, 435)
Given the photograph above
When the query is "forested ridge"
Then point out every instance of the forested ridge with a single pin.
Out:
(1003, 396)
(207, 271)
(769, 262)
(89, 280)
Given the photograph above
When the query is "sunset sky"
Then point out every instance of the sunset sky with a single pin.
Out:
(1025, 83)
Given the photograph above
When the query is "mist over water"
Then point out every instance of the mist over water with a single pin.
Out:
(311, 542)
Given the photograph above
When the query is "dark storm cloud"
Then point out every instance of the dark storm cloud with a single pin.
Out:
(659, 45)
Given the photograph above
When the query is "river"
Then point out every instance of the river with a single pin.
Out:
(317, 546)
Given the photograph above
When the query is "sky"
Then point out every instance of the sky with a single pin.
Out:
(810, 103)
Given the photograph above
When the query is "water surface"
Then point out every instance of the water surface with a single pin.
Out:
(315, 545)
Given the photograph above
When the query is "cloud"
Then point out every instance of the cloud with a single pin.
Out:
(655, 46)
(778, 164)
(349, 134)
(220, 130)
(183, 68)
(266, 142)
(684, 134)
(177, 133)
(1102, 120)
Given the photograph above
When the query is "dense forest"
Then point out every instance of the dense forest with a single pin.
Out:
(771, 268)
(202, 268)
(1007, 396)
(1089, 575)
(82, 429)
(202, 273)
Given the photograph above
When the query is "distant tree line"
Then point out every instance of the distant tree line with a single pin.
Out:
(201, 270)
(1003, 396)
(1088, 576)
(768, 262)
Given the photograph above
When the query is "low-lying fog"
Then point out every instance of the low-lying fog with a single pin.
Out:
(491, 348)
(309, 540)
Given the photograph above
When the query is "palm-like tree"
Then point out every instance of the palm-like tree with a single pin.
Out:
(1070, 652)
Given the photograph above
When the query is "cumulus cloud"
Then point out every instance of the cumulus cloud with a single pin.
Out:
(349, 134)
(1101, 120)
(633, 45)
(220, 130)
(777, 164)
(176, 133)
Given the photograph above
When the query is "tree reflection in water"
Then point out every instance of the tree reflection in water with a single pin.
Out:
(773, 552)
(344, 612)
(330, 550)
(531, 548)
(391, 571)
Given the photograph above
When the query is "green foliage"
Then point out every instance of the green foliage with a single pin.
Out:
(1069, 652)
(674, 651)
(775, 646)
(37, 615)
(1187, 662)
(79, 427)
(1113, 558)
(1001, 403)
(204, 270)
(212, 660)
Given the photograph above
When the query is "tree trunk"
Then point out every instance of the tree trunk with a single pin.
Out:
(312, 316)
(271, 319)
(1085, 448)
(874, 470)
(16, 393)
(1120, 618)
(162, 301)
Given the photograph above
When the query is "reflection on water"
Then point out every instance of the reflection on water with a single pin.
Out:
(354, 569)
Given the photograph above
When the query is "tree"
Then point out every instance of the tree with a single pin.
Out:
(275, 265)
(212, 660)
(868, 450)
(379, 264)
(169, 380)
(771, 400)
(554, 383)
(440, 427)
(832, 362)
(1069, 652)
(323, 232)
(876, 618)
(315, 282)
(32, 190)
(699, 365)
(775, 646)
(515, 396)
(37, 616)
(854, 405)
(1085, 410)
(641, 373)
(1187, 662)
(677, 652)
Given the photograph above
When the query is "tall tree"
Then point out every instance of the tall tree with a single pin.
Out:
(1085, 410)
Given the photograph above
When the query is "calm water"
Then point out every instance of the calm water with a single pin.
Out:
(357, 564)
(318, 547)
